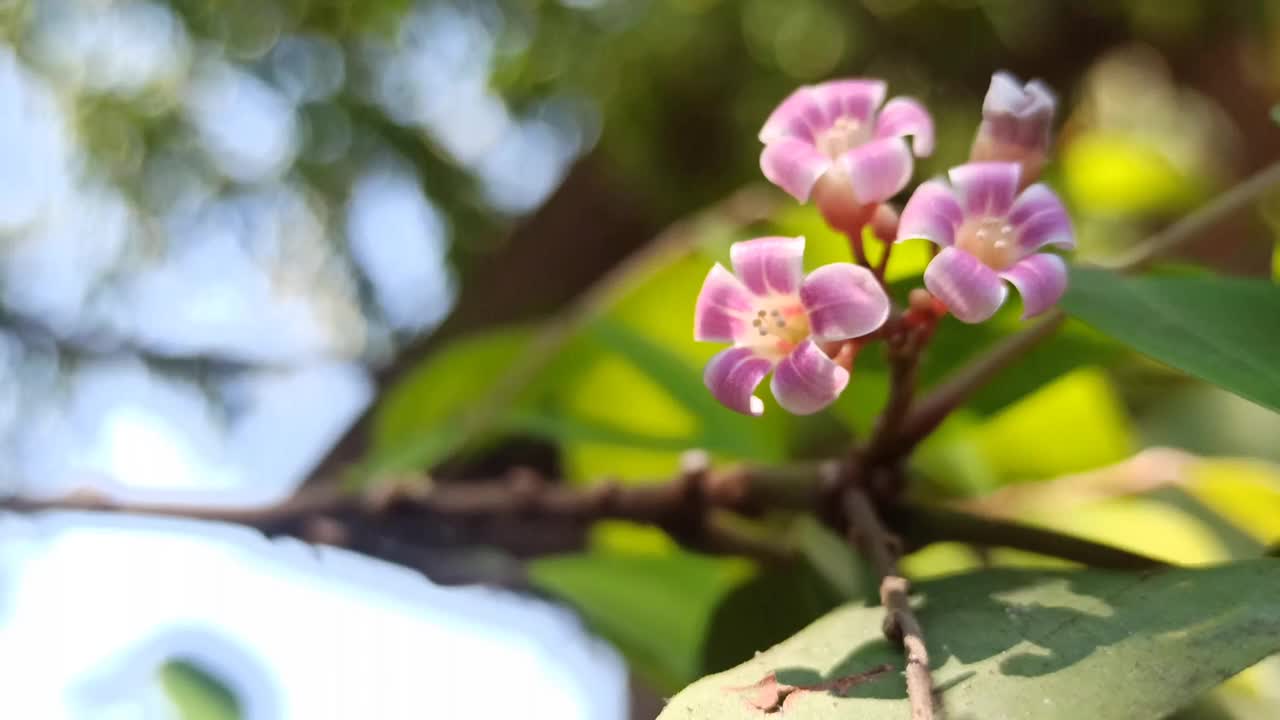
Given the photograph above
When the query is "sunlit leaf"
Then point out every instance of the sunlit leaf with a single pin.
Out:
(1074, 423)
(1222, 330)
(1029, 644)
(1119, 174)
(1247, 493)
(197, 695)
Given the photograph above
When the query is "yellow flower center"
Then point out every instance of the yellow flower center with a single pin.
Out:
(989, 239)
(780, 326)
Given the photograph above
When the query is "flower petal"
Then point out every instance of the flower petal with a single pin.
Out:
(878, 169)
(769, 265)
(720, 315)
(1039, 219)
(1041, 279)
(1017, 114)
(986, 188)
(793, 165)
(856, 99)
(904, 116)
(932, 213)
(970, 290)
(843, 301)
(798, 116)
(807, 381)
(733, 375)
(814, 108)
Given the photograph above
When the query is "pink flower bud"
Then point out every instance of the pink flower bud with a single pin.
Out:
(1016, 124)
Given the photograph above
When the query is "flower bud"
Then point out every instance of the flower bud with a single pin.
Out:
(1016, 124)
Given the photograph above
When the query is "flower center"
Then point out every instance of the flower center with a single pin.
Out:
(846, 134)
(781, 326)
(989, 239)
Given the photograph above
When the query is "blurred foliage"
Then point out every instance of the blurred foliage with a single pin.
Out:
(196, 694)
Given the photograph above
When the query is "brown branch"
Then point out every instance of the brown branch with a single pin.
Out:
(904, 361)
(690, 506)
(900, 623)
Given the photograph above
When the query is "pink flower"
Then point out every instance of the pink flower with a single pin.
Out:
(990, 233)
(1016, 125)
(834, 141)
(776, 316)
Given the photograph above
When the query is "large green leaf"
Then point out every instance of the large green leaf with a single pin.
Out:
(1223, 330)
(1029, 644)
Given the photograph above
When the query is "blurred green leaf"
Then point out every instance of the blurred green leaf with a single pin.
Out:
(1223, 330)
(196, 694)
(420, 420)
(832, 558)
(1030, 644)
(767, 609)
(656, 608)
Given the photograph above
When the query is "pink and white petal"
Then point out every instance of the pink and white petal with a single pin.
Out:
(856, 99)
(1039, 219)
(733, 375)
(986, 188)
(877, 170)
(799, 115)
(1004, 95)
(722, 309)
(932, 213)
(970, 290)
(1040, 279)
(793, 165)
(904, 116)
(807, 381)
(769, 265)
(843, 301)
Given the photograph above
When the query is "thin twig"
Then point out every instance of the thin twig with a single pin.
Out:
(1195, 224)
(859, 249)
(904, 361)
(932, 409)
(901, 624)
(883, 266)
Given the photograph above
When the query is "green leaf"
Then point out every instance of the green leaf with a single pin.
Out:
(196, 694)
(1223, 330)
(1029, 644)
(419, 421)
(656, 609)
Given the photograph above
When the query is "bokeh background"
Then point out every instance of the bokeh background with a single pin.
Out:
(248, 243)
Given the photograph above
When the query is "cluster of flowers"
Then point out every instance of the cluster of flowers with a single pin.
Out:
(841, 146)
